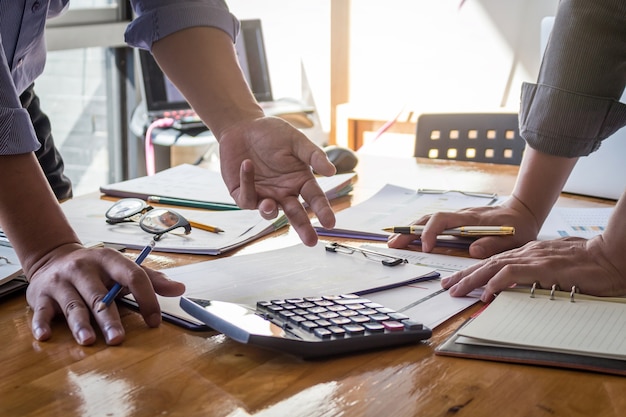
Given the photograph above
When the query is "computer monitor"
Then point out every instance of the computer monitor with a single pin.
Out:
(160, 95)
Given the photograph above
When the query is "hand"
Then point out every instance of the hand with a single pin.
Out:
(565, 262)
(510, 213)
(267, 164)
(71, 281)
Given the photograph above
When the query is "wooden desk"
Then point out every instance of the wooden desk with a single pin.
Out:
(172, 372)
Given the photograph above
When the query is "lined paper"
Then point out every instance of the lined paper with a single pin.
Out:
(590, 325)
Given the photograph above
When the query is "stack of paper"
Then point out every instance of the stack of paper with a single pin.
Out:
(190, 182)
(11, 277)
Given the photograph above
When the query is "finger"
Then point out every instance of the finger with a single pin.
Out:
(77, 315)
(246, 195)
(317, 159)
(488, 246)
(299, 220)
(91, 293)
(142, 290)
(400, 241)
(165, 286)
(314, 196)
(268, 209)
(43, 313)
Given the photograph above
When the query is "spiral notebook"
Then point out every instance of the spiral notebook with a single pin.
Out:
(549, 328)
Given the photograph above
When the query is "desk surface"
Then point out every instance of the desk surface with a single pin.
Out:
(173, 372)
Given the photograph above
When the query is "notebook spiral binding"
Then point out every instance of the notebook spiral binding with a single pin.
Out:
(554, 288)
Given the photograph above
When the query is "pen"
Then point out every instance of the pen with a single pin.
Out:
(117, 288)
(206, 227)
(192, 203)
(457, 231)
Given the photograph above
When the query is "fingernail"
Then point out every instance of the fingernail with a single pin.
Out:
(444, 281)
(479, 252)
(38, 332)
(114, 335)
(85, 337)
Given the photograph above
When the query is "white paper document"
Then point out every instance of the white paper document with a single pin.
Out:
(398, 206)
(295, 271)
(585, 222)
(426, 302)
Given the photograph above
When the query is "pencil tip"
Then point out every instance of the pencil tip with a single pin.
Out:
(101, 307)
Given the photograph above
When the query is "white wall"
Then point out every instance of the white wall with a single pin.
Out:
(423, 54)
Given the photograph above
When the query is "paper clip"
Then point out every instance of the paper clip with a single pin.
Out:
(387, 260)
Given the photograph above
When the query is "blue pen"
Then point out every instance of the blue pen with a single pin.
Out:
(117, 288)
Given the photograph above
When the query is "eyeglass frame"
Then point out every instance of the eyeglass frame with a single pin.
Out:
(349, 250)
(143, 210)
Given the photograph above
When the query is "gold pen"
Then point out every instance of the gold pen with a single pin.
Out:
(457, 231)
(206, 227)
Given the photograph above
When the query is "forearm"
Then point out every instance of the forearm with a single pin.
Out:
(615, 236)
(540, 181)
(29, 212)
(202, 63)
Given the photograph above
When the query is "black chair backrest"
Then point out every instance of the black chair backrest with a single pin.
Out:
(478, 137)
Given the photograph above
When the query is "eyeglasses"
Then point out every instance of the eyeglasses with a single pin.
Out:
(385, 259)
(466, 193)
(156, 221)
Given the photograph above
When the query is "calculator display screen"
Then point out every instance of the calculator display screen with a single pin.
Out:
(245, 319)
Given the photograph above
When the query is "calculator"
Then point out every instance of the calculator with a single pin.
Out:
(310, 327)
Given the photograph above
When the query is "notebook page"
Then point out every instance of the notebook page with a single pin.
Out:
(586, 326)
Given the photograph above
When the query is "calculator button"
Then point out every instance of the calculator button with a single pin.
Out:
(317, 310)
(367, 311)
(336, 308)
(373, 305)
(360, 319)
(313, 299)
(274, 308)
(311, 317)
(295, 300)
(284, 314)
(323, 323)
(379, 317)
(337, 331)
(322, 333)
(412, 325)
(299, 311)
(296, 319)
(357, 306)
(374, 327)
(323, 303)
(398, 316)
(348, 301)
(393, 325)
(308, 325)
(340, 321)
(348, 313)
(263, 304)
(328, 315)
(305, 304)
(354, 329)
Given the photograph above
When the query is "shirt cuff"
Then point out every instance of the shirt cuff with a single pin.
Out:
(17, 135)
(565, 123)
(157, 23)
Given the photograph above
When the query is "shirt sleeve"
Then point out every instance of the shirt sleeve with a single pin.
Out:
(156, 19)
(575, 103)
(17, 134)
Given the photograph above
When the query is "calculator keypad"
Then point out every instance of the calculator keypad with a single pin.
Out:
(339, 316)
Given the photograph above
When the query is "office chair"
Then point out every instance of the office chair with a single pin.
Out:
(478, 137)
